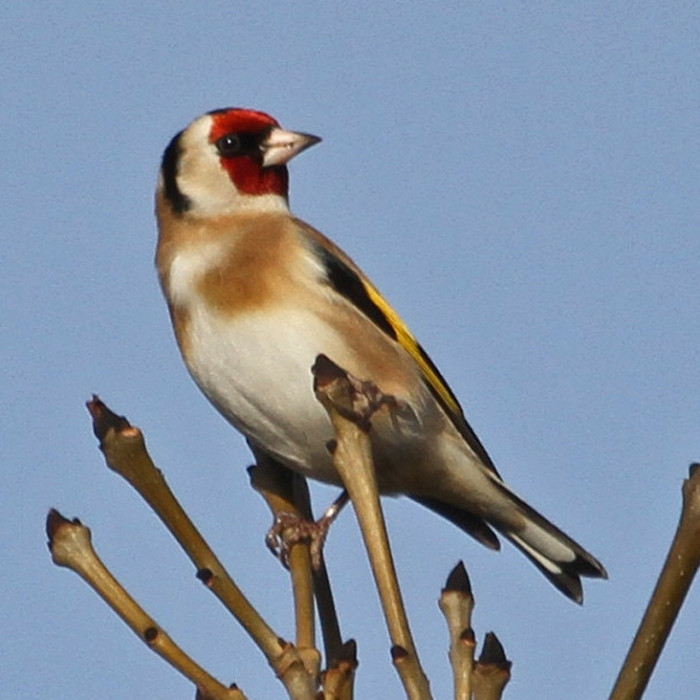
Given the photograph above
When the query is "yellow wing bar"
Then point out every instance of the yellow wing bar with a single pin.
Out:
(413, 347)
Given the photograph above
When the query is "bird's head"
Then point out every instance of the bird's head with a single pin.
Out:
(229, 160)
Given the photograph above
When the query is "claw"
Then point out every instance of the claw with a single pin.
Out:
(290, 529)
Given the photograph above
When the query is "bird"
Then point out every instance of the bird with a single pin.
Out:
(255, 294)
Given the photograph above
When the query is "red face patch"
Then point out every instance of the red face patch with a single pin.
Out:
(235, 120)
(245, 170)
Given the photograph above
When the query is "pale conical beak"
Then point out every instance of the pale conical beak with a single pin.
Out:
(281, 146)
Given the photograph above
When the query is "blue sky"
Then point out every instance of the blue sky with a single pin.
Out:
(520, 179)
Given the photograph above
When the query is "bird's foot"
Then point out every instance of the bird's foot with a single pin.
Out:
(290, 529)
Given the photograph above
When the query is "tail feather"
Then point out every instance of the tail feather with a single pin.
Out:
(564, 576)
(468, 522)
(560, 558)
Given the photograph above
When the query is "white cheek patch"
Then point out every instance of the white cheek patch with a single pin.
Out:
(200, 177)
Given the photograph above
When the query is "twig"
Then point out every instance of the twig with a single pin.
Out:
(349, 404)
(492, 670)
(338, 679)
(70, 543)
(674, 582)
(287, 493)
(125, 453)
(277, 486)
(457, 604)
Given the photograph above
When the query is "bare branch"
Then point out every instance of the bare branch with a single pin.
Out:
(125, 453)
(674, 582)
(457, 604)
(492, 671)
(70, 543)
(338, 679)
(350, 404)
(277, 486)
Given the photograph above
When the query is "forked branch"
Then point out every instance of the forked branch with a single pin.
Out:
(70, 544)
(125, 453)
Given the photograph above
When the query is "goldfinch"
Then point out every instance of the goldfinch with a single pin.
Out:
(255, 295)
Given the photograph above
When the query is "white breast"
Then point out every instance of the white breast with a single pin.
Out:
(256, 369)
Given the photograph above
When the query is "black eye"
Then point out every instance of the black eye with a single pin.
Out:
(229, 145)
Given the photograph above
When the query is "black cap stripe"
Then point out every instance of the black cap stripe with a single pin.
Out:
(169, 168)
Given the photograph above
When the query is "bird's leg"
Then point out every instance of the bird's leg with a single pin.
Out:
(289, 529)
